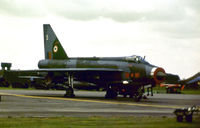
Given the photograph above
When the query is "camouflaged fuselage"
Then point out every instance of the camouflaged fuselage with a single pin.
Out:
(131, 71)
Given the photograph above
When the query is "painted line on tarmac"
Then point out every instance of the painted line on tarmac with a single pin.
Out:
(93, 101)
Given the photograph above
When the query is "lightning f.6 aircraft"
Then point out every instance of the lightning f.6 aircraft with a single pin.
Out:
(125, 76)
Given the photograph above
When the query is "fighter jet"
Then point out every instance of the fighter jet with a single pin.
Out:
(125, 76)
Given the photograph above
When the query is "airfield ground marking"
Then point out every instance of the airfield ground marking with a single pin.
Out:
(92, 101)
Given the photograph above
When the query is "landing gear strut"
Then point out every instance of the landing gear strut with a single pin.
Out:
(151, 89)
(70, 88)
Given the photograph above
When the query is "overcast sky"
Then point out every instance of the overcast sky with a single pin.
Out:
(167, 32)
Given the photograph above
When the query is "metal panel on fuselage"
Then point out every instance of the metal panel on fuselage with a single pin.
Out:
(102, 63)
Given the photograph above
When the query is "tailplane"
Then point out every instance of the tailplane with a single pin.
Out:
(52, 46)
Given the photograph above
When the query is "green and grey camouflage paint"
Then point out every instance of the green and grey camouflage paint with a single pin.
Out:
(133, 70)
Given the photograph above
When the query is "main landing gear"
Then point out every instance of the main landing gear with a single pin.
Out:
(138, 94)
(135, 92)
(70, 87)
(111, 93)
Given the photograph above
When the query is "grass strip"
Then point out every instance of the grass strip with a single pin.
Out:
(96, 122)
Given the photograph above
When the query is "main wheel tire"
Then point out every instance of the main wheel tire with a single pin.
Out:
(137, 98)
(125, 95)
(138, 95)
(179, 118)
(111, 94)
(69, 93)
(188, 118)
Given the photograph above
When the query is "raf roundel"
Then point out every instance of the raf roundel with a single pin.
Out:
(55, 48)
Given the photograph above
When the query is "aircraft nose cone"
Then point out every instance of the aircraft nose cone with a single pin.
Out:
(161, 75)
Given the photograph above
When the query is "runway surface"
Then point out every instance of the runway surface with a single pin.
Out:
(45, 103)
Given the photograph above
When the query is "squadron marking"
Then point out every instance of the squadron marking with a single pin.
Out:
(55, 48)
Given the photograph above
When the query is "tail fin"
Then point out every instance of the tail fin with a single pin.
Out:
(52, 46)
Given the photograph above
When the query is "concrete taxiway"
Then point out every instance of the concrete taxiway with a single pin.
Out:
(45, 103)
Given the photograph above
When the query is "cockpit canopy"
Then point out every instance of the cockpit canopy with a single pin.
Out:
(136, 59)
